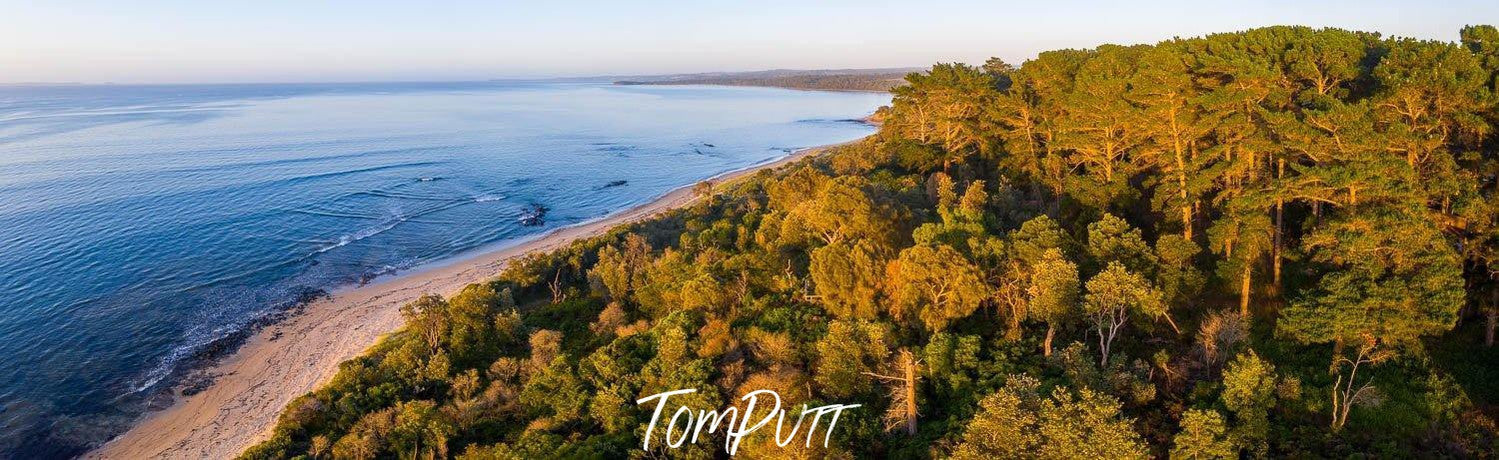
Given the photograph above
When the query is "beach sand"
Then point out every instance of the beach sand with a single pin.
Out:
(296, 356)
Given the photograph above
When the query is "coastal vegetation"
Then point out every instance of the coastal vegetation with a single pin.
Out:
(1278, 242)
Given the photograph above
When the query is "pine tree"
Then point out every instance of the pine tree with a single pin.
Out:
(1017, 422)
(1031, 114)
(1100, 127)
(1249, 392)
(1175, 129)
(1203, 436)
(848, 279)
(945, 107)
(1390, 275)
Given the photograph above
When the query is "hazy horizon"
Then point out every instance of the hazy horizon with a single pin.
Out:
(552, 78)
(172, 41)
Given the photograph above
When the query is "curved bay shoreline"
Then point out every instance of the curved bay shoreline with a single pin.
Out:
(293, 357)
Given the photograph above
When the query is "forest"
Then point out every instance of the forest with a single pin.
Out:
(1279, 242)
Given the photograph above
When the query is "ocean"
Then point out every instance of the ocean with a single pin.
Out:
(142, 225)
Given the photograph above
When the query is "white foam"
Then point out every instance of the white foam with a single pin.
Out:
(362, 234)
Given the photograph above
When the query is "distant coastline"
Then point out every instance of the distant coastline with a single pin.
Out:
(862, 80)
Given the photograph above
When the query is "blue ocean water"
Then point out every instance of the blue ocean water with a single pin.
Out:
(138, 223)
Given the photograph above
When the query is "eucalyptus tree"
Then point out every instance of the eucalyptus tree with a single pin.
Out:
(1053, 293)
(1114, 295)
(933, 285)
(1025, 251)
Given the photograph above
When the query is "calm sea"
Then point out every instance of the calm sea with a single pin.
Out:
(140, 223)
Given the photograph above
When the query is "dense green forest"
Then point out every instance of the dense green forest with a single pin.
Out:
(1279, 242)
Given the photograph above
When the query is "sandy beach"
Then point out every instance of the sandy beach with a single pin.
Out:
(291, 358)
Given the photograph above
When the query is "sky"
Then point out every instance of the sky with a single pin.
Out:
(192, 41)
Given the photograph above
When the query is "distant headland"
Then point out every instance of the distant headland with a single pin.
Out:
(880, 80)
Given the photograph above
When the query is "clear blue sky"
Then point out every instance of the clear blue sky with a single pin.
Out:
(324, 40)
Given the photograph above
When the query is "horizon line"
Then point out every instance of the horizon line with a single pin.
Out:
(496, 79)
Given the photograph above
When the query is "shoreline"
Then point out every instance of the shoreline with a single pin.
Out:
(300, 353)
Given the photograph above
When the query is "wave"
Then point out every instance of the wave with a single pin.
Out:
(400, 218)
(200, 346)
(333, 174)
(323, 213)
(297, 147)
(616, 148)
(168, 365)
(404, 196)
(143, 110)
(488, 197)
(203, 347)
(362, 234)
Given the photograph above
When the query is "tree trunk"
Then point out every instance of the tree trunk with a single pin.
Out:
(1104, 342)
(1181, 185)
(1187, 222)
(1337, 405)
(1280, 228)
(910, 371)
(556, 287)
(1244, 288)
(1337, 351)
(1488, 332)
(1014, 332)
(1056, 201)
(1172, 323)
(1493, 319)
(1279, 237)
(1051, 330)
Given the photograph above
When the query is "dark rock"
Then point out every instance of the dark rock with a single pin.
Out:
(533, 216)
